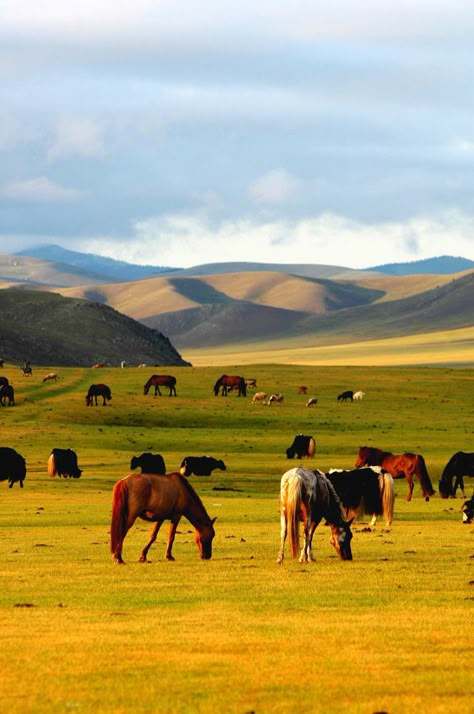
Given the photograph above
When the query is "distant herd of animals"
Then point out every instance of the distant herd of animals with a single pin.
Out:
(306, 496)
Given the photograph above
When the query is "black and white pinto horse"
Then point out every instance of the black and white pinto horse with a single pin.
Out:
(303, 446)
(149, 463)
(308, 496)
(368, 490)
(468, 511)
(12, 466)
(460, 464)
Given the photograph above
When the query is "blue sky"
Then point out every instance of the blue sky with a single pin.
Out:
(177, 132)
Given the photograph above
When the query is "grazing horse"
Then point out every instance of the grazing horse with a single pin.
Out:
(308, 496)
(161, 380)
(156, 498)
(149, 463)
(276, 399)
(228, 382)
(311, 401)
(459, 465)
(468, 511)
(51, 377)
(358, 396)
(366, 490)
(302, 446)
(98, 390)
(63, 462)
(259, 397)
(402, 465)
(302, 390)
(345, 396)
(200, 465)
(251, 383)
(12, 466)
(27, 371)
(4, 380)
(7, 392)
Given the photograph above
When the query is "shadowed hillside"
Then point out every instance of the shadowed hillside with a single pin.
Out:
(49, 329)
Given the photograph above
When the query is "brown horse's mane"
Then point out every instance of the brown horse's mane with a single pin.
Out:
(187, 486)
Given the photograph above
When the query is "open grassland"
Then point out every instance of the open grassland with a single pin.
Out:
(389, 631)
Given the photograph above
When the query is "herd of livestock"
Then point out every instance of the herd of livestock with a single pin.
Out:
(367, 489)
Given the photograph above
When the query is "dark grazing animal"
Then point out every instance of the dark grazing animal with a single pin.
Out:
(12, 466)
(200, 465)
(7, 393)
(460, 464)
(63, 462)
(98, 390)
(399, 465)
(308, 496)
(156, 498)
(366, 490)
(3, 380)
(468, 511)
(302, 446)
(161, 380)
(227, 382)
(345, 396)
(149, 463)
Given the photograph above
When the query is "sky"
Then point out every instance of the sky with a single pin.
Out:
(177, 132)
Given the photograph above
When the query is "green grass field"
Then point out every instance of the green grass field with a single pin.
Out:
(387, 632)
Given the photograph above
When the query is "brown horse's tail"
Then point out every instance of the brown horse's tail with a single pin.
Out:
(292, 513)
(422, 473)
(51, 466)
(119, 515)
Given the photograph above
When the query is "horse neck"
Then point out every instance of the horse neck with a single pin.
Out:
(330, 504)
(194, 509)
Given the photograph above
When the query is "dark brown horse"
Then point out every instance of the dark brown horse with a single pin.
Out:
(98, 390)
(228, 382)
(161, 380)
(399, 465)
(459, 465)
(157, 498)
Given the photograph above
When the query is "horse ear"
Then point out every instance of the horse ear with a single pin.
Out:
(213, 521)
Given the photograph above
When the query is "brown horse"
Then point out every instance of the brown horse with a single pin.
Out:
(98, 390)
(157, 498)
(161, 380)
(402, 465)
(228, 382)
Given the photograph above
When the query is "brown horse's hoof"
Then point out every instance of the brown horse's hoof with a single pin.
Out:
(170, 557)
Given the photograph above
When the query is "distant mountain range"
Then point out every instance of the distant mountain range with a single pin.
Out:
(233, 303)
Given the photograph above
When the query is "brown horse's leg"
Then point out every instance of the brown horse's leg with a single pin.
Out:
(154, 533)
(171, 536)
(409, 478)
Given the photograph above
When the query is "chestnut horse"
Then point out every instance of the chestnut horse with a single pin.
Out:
(156, 498)
(228, 382)
(161, 380)
(399, 465)
(309, 496)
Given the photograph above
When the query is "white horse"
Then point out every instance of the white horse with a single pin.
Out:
(358, 395)
(312, 400)
(259, 397)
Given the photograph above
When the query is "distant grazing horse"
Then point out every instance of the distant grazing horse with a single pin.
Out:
(468, 511)
(7, 393)
(259, 397)
(407, 465)
(27, 371)
(156, 498)
(149, 463)
(366, 490)
(302, 390)
(200, 465)
(358, 396)
(228, 382)
(276, 399)
(51, 377)
(4, 380)
(302, 446)
(12, 466)
(459, 465)
(161, 380)
(63, 462)
(308, 496)
(345, 396)
(98, 390)
(251, 383)
(311, 401)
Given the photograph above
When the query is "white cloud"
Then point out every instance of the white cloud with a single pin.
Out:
(187, 240)
(40, 190)
(77, 137)
(275, 187)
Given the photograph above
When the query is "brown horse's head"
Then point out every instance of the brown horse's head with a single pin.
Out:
(363, 456)
(204, 537)
(341, 537)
